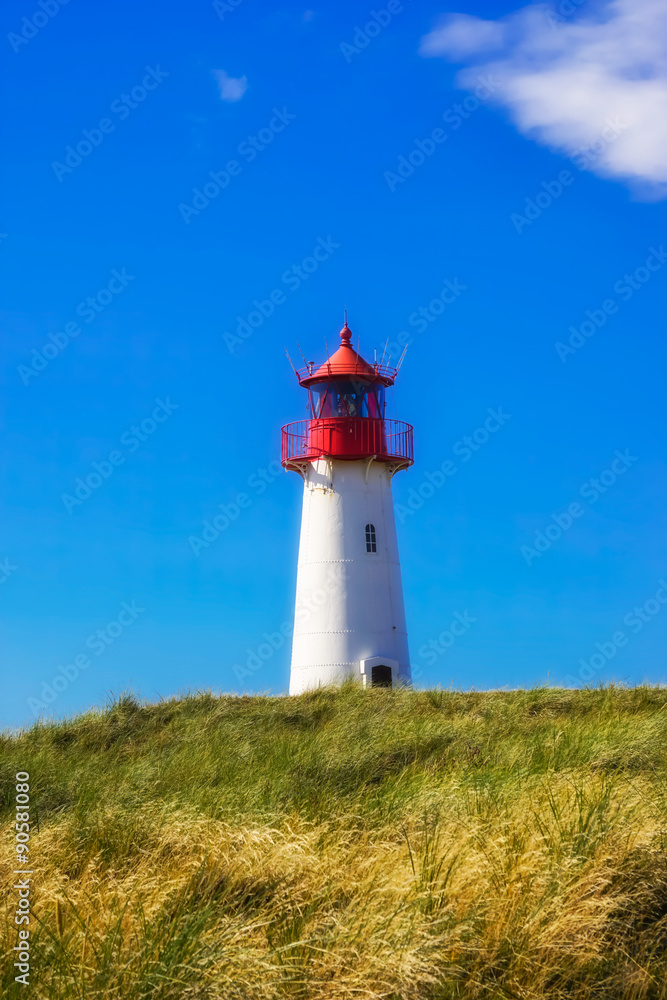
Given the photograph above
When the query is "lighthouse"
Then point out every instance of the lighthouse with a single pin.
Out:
(349, 616)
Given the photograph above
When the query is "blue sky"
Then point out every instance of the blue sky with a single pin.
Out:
(308, 121)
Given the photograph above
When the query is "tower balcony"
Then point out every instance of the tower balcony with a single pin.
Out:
(347, 438)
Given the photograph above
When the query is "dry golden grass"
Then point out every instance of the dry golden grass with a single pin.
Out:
(454, 866)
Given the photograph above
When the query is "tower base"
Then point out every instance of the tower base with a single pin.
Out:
(349, 616)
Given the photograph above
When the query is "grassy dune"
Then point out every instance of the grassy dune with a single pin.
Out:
(347, 844)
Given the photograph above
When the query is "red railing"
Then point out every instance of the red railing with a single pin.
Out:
(347, 438)
(383, 373)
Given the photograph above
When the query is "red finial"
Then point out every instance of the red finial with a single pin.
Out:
(346, 333)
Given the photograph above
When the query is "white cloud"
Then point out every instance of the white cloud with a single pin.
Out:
(462, 35)
(566, 71)
(231, 88)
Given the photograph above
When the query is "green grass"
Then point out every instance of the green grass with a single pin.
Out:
(347, 844)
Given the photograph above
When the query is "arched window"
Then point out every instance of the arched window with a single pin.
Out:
(371, 545)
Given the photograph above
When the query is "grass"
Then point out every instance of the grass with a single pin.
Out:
(348, 845)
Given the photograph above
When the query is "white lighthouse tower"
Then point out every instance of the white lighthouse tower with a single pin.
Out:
(349, 616)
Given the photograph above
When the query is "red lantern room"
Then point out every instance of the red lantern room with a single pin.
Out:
(346, 401)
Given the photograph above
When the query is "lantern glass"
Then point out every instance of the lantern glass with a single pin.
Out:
(347, 399)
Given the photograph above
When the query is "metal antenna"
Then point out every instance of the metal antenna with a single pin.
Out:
(400, 360)
(290, 361)
(385, 348)
(302, 354)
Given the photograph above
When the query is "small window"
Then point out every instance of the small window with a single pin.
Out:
(371, 545)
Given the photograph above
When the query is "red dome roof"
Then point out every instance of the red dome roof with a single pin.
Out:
(346, 363)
